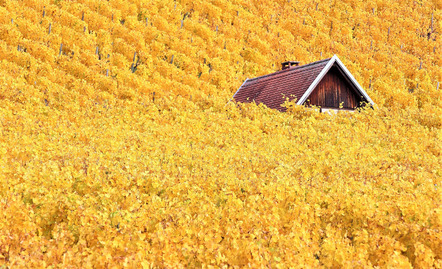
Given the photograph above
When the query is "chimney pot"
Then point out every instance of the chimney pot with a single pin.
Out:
(289, 64)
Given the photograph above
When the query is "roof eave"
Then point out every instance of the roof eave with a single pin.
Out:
(355, 82)
(233, 97)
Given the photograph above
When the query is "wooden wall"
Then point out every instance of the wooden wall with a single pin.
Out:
(333, 90)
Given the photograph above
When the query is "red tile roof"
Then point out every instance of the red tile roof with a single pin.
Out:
(273, 89)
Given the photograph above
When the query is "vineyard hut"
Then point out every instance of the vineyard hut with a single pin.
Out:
(326, 83)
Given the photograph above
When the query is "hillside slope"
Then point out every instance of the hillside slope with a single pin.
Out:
(118, 146)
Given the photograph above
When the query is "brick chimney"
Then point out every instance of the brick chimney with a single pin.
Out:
(289, 64)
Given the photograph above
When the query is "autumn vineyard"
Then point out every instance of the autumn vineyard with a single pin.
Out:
(119, 146)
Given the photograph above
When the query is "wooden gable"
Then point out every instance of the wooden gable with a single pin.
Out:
(335, 91)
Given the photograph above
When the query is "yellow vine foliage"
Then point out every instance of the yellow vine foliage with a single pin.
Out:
(118, 146)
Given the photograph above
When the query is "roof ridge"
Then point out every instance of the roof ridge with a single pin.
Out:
(296, 68)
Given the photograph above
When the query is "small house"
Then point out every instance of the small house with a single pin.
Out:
(327, 84)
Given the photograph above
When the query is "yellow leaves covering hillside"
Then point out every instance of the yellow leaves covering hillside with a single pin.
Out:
(117, 147)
